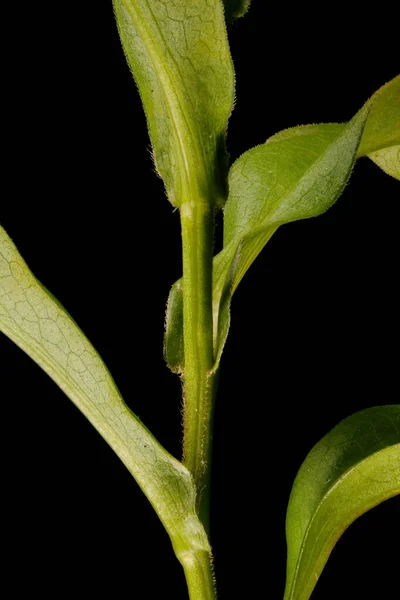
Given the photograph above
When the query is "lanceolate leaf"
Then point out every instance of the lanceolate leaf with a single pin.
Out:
(36, 322)
(298, 173)
(179, 55)
(352, 469)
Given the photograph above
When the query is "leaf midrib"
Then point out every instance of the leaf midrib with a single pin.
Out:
(179, 118)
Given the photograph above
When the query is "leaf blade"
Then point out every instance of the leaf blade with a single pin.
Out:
(352, 469)
(32, 318)
(292, 185)
(271, 193)
(179, 56)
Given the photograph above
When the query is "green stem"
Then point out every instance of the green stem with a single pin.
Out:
(197, 221)
(199, 576)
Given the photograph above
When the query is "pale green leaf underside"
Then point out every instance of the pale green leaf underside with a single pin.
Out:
(38, 324)
(388, 159)
(298, 173)
(179, 56)
(352, 469)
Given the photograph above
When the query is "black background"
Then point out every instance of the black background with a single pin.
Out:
(315, 322)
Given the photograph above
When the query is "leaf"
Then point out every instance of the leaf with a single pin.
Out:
(179, 56)
(235, 9)
(352, 469)
(298, 173)
(39, 325)
(290, 177)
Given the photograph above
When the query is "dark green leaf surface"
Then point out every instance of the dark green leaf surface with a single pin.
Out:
(39, 325)
(179, 56)
(352, 469)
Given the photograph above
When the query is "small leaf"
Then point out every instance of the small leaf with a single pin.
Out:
(39, 325)
(179, 56)
(351, 470)
(235, 9)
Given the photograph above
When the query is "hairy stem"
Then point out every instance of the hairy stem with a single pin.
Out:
(197, 222)
(199, 576)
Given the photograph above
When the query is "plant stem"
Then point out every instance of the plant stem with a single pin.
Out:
(199, 576)
(197, 221)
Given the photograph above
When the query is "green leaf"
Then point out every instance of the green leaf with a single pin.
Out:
(235, 9)
(351, 470)
(179, 56)
(37, 323)
(295, 175)
(298, 173)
